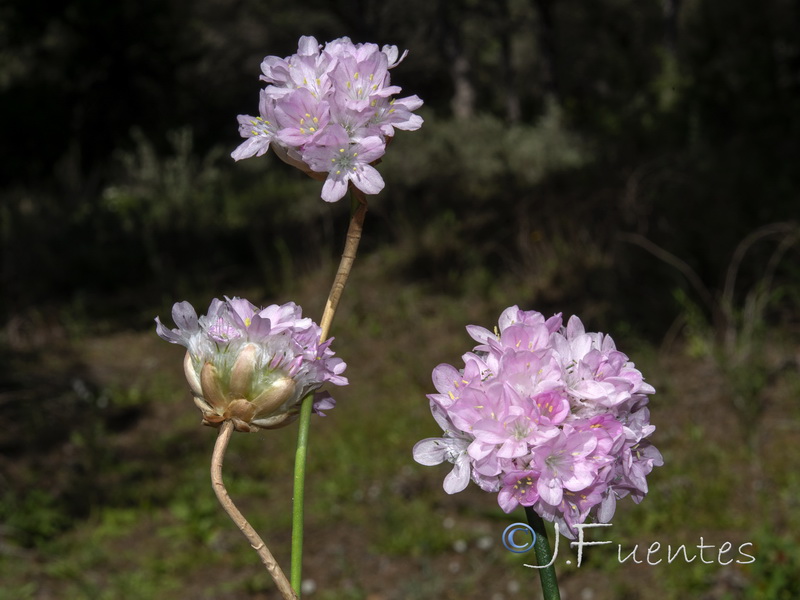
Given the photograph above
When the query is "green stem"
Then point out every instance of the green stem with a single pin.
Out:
(358, 212)
(543, 556)
(299, 492)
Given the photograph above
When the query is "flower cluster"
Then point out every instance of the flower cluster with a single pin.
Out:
(330, 110)
(548, 416)
(253, 366)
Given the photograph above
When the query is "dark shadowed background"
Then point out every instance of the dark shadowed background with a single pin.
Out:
(633, 162)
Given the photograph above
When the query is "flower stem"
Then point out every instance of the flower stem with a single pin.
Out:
(358, 211)
(543, 556)
(255, 540)
(299, 491)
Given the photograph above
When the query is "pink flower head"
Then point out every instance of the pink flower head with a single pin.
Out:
(253, 365)
(548, 416)
(330, 110)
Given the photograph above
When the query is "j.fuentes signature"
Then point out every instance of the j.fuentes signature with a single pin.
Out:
(653, 554)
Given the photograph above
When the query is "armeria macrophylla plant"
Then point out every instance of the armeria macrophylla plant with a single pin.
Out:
(548, 417)
(329, 111)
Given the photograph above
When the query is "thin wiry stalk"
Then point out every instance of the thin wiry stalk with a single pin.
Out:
(244, 526)
(359, 212)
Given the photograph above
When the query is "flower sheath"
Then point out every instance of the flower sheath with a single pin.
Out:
(253, 366)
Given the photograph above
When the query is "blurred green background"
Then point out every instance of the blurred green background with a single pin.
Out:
(633, 162)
